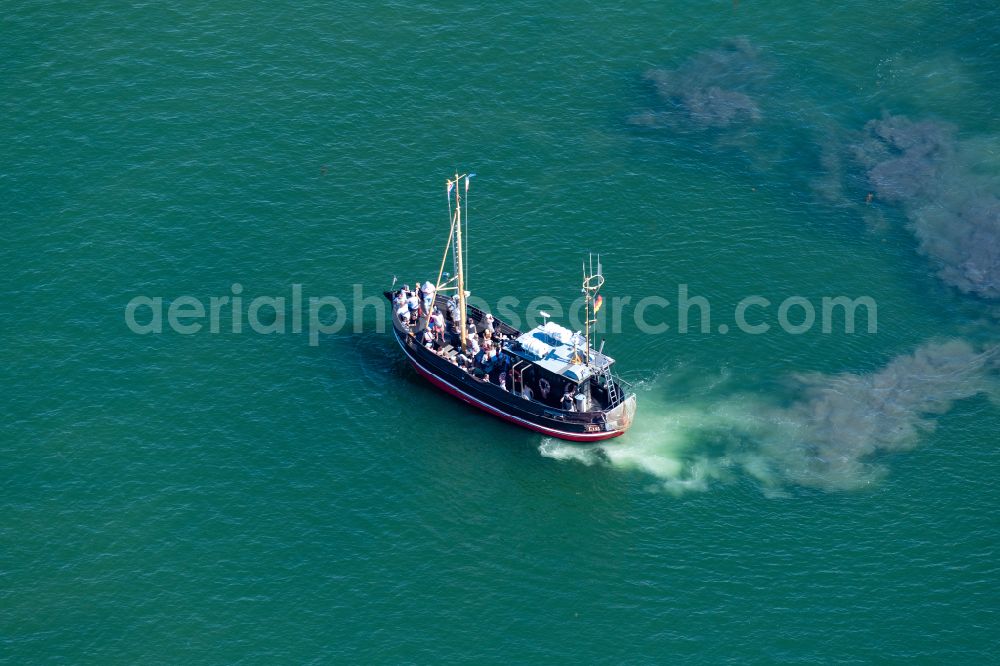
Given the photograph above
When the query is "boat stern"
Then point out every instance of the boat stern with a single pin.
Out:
(620, 418)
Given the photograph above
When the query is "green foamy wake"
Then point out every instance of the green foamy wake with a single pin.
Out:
(827, 434)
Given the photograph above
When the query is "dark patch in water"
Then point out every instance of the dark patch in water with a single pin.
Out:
(709, 90)
(952, 210)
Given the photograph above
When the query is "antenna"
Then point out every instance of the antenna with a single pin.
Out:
(592, 283)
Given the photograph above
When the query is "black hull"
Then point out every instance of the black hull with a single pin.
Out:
(493, 399)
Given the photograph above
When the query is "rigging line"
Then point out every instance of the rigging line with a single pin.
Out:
(447, 196)
(451, 234)
(451, 217)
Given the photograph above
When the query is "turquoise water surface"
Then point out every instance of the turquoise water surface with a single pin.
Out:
(304, 497)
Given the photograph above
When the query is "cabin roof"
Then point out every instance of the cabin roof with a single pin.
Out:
(553, 348)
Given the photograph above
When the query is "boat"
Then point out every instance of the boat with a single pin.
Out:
(548, 379)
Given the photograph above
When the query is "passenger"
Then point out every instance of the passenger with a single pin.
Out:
(489, 360)
(428, 339)
(418, 291)
(403, 312)
(472, 328)
(437, 325)
(413, 305)
(428, 295)
(567, 399)
(488, 324)
(503, 361)
(501, 366)
(472, 343)
(400, 308)
(543, 388)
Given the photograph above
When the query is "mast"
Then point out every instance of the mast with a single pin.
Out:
(586, 305)
(457, 224)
